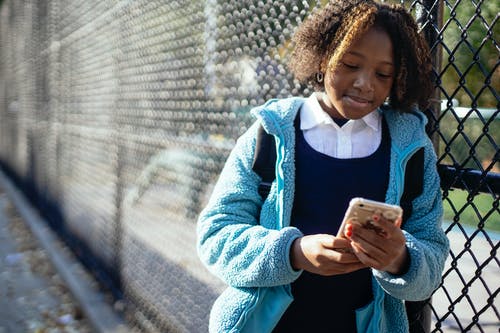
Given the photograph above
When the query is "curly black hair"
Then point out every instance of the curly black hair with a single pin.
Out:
(323, 38)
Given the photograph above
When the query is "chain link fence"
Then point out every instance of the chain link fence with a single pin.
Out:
(117, 116)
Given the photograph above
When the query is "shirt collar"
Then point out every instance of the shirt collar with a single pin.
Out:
(312, 115)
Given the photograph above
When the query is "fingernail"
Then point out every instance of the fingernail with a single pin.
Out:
(375, 218)
(349, 230)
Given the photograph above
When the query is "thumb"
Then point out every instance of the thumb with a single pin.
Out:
(332, 242)
(326, 240)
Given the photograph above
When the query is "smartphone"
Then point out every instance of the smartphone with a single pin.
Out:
(361, 211)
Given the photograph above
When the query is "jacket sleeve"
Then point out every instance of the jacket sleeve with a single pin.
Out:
(230, 240)
(426, 241)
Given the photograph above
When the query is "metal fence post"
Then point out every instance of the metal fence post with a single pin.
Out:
(430, 16)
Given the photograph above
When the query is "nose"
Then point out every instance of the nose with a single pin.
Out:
(364, 81)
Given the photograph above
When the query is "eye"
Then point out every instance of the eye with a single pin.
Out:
(384, 75)
(350, 65)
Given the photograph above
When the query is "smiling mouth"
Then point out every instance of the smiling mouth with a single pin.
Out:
(359, 101)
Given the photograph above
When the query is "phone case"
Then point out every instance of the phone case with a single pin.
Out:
(361, 212)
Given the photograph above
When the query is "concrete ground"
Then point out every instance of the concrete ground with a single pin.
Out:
(43, 288)
(33, 297)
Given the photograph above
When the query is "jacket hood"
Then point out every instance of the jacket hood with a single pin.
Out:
(406, 127)
(277, 114)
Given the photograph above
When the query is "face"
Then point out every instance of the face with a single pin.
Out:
(363, 78)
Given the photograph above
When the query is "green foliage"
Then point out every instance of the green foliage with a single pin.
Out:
(469, 142)
(470, 74)
(470, 55)
(458, 207)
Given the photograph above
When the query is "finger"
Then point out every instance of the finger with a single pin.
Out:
(364, 257)
(371, 235)
(370, 243)
(341, 243)
(338, 256)
(345, 257)
(326, 240)
(398, 222)
(385, 226)
(390, 232)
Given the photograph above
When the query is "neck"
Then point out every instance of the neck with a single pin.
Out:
(332, 112)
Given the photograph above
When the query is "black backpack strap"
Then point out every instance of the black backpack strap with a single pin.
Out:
(419, 316)
(264, 160)
(413, 186)
(418, 312)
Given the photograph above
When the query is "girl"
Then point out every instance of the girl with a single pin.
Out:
(286, 269)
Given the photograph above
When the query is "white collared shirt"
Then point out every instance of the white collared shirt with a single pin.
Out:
(356, 138)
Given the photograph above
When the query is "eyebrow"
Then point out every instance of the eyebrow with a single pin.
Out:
(385, 62)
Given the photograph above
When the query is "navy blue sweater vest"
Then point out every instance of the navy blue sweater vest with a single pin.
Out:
(323, 188)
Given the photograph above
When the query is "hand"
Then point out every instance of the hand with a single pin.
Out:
(324, 255)
(382, 247)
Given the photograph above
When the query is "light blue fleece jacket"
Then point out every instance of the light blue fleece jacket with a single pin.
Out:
(246, 242)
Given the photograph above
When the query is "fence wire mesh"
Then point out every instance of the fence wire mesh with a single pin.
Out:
(117, 116)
